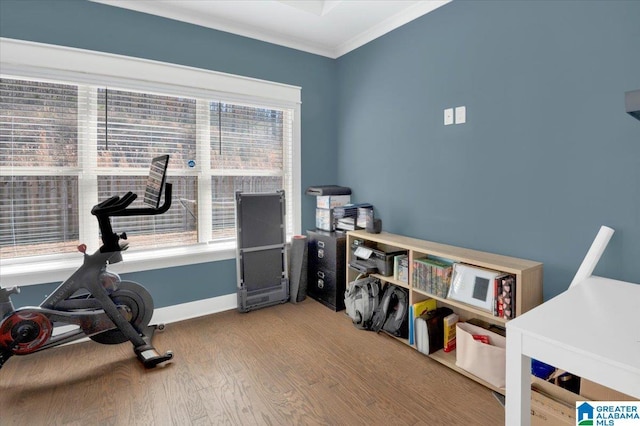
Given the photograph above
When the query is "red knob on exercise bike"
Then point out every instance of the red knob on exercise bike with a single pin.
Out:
(82, 248)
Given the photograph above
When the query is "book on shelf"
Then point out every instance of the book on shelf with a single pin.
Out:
(429, 330)
(449, 325)
(415, 311)
(401, 268)
(416, 275)
(504, 296)
(411, 325)
(403, 272)
(497, 296)
(421, 335)
(509, 297)
(432, 275)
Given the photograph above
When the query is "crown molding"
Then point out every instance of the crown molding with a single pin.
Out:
(167, 10)
(388, 25)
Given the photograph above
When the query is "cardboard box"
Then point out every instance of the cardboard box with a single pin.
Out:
(332, 201)
(552, 405)
(546, 411)
(596, 392)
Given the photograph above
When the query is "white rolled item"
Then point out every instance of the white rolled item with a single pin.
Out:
(593, 255)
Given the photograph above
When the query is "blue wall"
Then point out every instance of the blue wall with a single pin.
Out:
(547, 154)
(93, 26)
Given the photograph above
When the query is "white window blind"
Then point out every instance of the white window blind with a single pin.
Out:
(38, 124)
(38, 159)
(133, 128)
(142, 126)
(77, 127)
(40, 127)
(247, 138)
(247, 154)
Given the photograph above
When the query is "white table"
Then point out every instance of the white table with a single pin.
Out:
(591, 330)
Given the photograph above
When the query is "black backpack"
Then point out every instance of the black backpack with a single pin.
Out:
(392, 313)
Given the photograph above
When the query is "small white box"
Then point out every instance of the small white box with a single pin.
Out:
(332, 201)
(324, 220)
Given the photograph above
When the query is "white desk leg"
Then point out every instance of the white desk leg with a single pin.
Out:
(518, 382)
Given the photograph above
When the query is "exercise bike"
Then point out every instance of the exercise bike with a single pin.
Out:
(96, 302)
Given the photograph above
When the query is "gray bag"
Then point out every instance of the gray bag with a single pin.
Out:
(392, 313)
(361, 300)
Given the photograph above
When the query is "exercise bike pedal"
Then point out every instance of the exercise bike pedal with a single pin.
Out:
(150, 357)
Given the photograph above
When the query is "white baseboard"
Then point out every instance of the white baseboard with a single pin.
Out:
(185, 311)
(175, 313)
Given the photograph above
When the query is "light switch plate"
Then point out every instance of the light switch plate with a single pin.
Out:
(448, 116)
(461, 114)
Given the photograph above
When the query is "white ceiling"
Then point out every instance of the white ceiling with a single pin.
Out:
(324, 27)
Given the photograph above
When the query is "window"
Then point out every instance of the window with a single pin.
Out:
(68, 140)
(38, 160)
(132, 128)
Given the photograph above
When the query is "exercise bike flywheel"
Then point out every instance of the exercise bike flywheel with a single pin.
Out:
(136, 304)
(25, 332)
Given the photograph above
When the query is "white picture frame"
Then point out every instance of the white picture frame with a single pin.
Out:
(473, 286)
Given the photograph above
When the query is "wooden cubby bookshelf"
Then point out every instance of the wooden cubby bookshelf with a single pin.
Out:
(528, 280)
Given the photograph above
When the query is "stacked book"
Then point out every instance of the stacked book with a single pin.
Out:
(350, 217)
(432, 276)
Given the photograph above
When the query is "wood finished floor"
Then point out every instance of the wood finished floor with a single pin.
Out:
(284, 365)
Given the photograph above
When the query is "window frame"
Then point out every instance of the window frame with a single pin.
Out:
(22, 59)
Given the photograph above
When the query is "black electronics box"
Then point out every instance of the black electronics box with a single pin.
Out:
(380, 261)
(320, 190)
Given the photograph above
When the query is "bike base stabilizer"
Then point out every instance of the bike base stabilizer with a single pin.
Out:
(147, 354)
(150, 357)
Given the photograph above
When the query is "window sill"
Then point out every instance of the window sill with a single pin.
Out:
(24, 272)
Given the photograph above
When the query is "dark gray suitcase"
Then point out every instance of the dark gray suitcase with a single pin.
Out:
(261, 254)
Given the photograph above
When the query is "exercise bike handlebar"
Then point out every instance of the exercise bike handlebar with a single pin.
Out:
(114, 204)
(117, 206)
(143, 211)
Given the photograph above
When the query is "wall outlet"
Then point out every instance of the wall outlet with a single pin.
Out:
(448, 116)
(461, 114)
